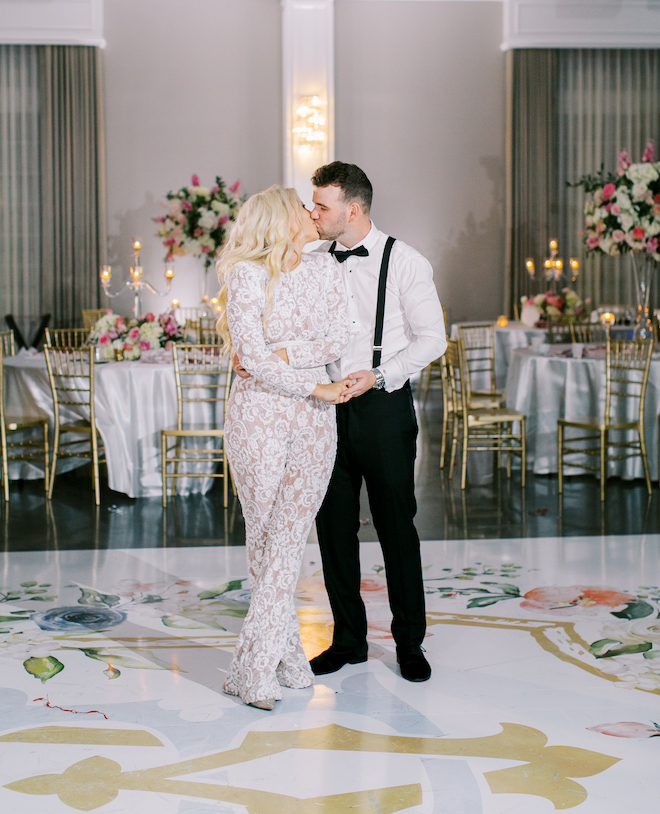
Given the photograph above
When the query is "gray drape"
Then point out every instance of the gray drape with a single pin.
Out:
(72, 187)
(19, 182)
(570, 111)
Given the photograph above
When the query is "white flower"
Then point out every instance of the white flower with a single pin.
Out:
(622, 198)
(175, 207)
(639, 192)
(651, 226)
(220, 208)
(626, 221)
(605, 243)
(207, 220)
(192, 247)
(642, 173)
(202, 192)
(634, 631)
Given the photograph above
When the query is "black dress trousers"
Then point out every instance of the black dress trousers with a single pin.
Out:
(377, 435)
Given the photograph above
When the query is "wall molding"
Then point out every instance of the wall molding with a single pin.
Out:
(51, 22)
(581, 24)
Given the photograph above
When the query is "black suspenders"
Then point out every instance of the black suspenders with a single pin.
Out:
(380, 306)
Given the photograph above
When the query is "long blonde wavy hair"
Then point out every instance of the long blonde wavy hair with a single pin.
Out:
(264, 232)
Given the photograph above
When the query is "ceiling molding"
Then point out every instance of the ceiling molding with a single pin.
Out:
(51, 22)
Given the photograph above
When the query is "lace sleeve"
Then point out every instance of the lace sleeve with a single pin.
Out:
(246, 303)
(331, 346)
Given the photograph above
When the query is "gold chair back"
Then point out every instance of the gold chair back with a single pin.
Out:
(589, 332)
(71, 376)
(91, 316)
(66, 337)
(627, 366)
(479, 353)
(7, 346)
(207, 333)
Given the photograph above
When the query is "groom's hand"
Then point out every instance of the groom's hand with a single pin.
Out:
(241, 372)
(363, 380)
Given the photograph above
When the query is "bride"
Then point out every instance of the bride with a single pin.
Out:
(284, 313)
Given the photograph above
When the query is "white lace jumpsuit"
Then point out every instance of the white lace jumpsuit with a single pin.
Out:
(281, 443)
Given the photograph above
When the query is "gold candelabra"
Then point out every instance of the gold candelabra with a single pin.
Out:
(136, 282)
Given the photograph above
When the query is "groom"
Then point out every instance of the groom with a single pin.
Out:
(377, 427)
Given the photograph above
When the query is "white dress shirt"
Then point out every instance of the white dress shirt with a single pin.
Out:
(414, 326)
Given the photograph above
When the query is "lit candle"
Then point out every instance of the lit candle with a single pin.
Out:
(169, 273)
(529, 265)
(607, 318)
(553, 245)
(175, 303)
(575, 264)
(559, 263)
(106, 273)
(502, 322)
(136, 272)
(136, 245)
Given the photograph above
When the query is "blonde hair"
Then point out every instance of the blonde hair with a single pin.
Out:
(264, 232)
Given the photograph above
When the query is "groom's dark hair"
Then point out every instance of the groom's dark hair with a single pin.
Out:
(354, 184)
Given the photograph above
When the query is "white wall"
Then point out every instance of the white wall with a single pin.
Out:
(195, 86)
(192, 86)
(420, 107)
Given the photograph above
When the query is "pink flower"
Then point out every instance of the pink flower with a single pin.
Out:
(583, 599)
(104, 340)
(170, 241)
(187, 206)
(168, 346)
(592, 242)
(223, 220)
(618, 235)
(615, 209)
(624, 162)
(652, 245)
(112, 333)
(195, 180)
(120, 322)
(144, 345)
(150, 317)
(215, 189)
(205, 249)
(160, 219)
(608, 191)
(234, 187)
(627, 729)
(655, 211)
(649, 152)
(128, 346)
(133, 334)
(638, 233)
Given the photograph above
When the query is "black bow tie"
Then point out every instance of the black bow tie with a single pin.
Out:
(341, 256)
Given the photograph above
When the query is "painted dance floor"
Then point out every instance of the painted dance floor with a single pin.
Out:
(545, 692)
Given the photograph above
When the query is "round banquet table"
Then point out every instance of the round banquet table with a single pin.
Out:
(546, 388)
(134, 401)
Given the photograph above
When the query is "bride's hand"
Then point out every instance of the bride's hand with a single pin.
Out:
(332, 392)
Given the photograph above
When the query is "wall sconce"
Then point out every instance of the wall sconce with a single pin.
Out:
(309, 124)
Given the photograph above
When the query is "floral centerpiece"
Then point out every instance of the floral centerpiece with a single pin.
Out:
(112, 332)
(197, 218)
(622, 214)
(564, 307)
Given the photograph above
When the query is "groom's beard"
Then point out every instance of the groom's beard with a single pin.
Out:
(333, 231)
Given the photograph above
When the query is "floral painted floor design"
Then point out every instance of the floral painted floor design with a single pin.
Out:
(544, 694)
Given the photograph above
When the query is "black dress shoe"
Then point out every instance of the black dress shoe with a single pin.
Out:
(413, 665)
(331, 660)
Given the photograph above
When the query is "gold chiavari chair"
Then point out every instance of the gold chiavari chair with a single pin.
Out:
(66, 337)
(479, 354)
(489, 429)
(91, 316)
(203, 379)
(71, 375)
(627, 363)
(588, 332)
(207, 333)
(559, 334)
(32, 450)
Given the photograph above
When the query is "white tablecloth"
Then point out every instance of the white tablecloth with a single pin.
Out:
(514, 335)
(546, 388)
(134, 402)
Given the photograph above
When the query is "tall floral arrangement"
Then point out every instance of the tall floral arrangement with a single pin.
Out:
(622, 210)
(566, 305)
(197, 219)
(113, 332)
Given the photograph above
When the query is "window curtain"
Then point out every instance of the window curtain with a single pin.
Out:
(600, 102)
(19, 182)
(72, 188)
(52, 205)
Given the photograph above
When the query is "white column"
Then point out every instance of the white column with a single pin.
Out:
(307, 72)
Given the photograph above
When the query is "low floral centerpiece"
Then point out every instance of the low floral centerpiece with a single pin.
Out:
(563, 308)
(113, 333)
(197, 219)
(622, 214)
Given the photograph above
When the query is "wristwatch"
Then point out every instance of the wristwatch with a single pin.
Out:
(380, 379)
